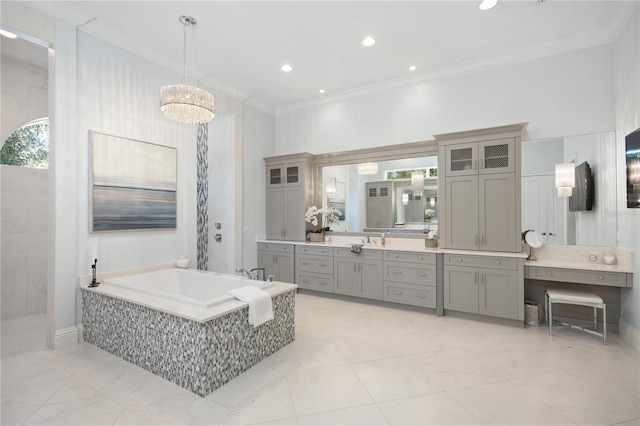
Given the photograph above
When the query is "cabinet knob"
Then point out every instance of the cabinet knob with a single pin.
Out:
(497, 262)
(549, 273)
(459, 259)
(395, 255)
(600, 277)
(322, 251)
(420, 258)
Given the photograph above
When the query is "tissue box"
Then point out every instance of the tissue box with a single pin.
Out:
(431, 242)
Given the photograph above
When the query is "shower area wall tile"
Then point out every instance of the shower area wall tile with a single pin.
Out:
(14, 212)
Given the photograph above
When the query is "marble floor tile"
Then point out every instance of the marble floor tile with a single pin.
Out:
(585, 395)
(200, 411)
(433, 409)
(394, 378)
(505, 404)
(99, 411)
(31, 387)
(246, 386)
(327, 388)
(325, 356)
(159, 396)
(291, 421)
(362, 415)
(273, 404)
(18, 415)
(360, 347)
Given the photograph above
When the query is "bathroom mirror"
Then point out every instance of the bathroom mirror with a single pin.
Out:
(549, 214)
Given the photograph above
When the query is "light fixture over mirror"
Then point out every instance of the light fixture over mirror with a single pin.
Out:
(184, 103)
(367, 168)
(417, 183)
(565, 178)
(331, 187)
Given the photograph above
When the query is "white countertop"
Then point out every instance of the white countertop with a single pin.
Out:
(182, 309)
(584, 266)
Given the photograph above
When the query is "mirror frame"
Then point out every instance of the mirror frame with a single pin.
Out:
(375, 154)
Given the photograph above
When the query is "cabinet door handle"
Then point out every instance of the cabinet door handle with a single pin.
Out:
(481, 239)
(354, 267)
(397, 293)
(359, 267)
(420, 296)
(481, 279)
(481, 163)
(475, 164)
(475, 278)
(475, 241)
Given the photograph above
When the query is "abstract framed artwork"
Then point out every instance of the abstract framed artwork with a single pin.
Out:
(133, 185)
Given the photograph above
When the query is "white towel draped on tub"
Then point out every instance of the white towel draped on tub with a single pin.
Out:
(260, 306)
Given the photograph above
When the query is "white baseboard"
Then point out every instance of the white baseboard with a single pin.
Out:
(67, 336)
(630, 334)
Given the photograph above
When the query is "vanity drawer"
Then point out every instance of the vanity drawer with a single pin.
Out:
(607, 278)
(494, 262)
(366, 253)
(409, 294)
(310, 263)
(319, 251)
(408, 273)
(283, 248)
(318, 282)
(411, 257)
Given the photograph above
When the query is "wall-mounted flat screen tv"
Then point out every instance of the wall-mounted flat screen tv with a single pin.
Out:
(582, 195)
(632, 141)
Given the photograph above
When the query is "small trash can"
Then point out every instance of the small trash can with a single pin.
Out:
(531, 313)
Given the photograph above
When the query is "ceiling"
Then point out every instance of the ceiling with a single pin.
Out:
(241, 45)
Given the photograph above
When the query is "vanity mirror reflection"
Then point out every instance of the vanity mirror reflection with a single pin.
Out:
(542, 209)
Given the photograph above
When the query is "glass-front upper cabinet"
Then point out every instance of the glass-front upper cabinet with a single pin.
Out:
(495, 156)
(290, 174)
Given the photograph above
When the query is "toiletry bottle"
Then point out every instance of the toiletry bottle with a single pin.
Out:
(382, 243)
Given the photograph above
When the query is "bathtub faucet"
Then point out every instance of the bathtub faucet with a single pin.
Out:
(259, 276)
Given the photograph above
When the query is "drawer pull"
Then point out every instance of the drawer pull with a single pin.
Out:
(421, 274)
(323, 282)
(396, 292)
(420, 258)
(395, 255)
(459, 259)
(304, 281)
(305, 263)
(549, 273)
(497, 262)
(395, 271)
(322, 265)
(420, 296)
(600, 277)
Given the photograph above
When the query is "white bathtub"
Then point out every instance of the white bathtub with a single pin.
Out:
(198, 288)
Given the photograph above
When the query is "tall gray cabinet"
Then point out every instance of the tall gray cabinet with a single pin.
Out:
(380, 201)
(289, 190)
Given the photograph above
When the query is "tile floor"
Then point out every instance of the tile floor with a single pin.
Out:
(351, 363)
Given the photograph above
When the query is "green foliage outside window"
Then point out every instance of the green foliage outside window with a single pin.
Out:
(406, 174)
(28, 146)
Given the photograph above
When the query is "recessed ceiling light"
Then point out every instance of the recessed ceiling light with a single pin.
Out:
(412, 68)
(487, 4)
(287, 68)
(369, 41)
(321, 91)
(7, 34)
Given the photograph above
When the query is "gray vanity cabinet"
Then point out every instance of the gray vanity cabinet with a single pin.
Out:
(482, 285)
(380, 204)
(277, 260)
(409, 278)
(359, 274)
(288, 192)
(482, 204)
(314, 268)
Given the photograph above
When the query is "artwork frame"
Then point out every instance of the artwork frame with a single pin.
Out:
(133, 185)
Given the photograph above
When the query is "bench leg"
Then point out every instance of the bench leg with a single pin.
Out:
(604, 323)
(595, 319)
(550, 317)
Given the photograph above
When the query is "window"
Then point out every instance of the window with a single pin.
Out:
(428, 172)
(28, 146)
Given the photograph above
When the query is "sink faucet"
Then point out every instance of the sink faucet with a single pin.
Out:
(366, 240)
(242, 270)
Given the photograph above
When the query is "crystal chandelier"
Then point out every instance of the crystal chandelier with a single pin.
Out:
(367, 168)
(182, 102)
(417, 183)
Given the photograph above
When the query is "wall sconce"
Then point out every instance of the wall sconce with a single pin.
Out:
(432, 201)
(367, 168)
(417, 183)
(405, 199)
(565, 178)
(331, 187)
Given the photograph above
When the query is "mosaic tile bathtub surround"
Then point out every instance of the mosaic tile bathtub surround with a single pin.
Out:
(200, 357)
